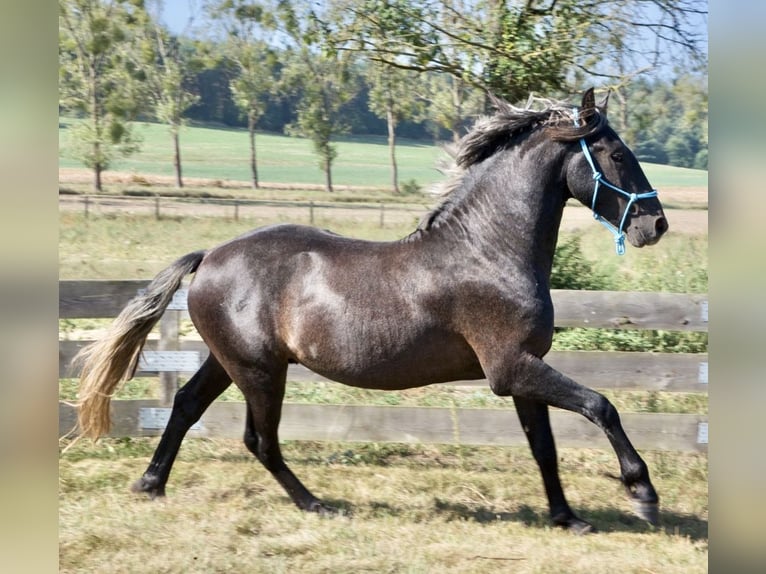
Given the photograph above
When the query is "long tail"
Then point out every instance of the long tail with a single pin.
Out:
(112, 360)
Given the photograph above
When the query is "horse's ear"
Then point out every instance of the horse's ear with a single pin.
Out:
(602, 104)
(588, 102)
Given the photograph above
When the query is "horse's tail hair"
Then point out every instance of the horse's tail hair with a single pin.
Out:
(107, 363)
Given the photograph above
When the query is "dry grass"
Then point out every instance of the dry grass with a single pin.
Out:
(405, 509)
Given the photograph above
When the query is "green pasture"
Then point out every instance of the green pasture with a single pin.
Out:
(223, 154)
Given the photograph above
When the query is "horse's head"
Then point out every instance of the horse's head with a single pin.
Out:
(605, 176)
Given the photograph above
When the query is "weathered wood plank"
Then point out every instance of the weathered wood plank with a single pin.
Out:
(95, 299)
(595, 369)
(630, 310)
(68, 349)
(596, 309)
(498, 427)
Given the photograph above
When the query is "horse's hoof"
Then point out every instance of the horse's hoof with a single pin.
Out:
(580, 527)
(148, 487)
(649, 511)
(321, 509)
(576, 526)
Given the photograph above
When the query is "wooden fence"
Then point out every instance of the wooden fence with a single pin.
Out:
(168, 206)
(168, 356)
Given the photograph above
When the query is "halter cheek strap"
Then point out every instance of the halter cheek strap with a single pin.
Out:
(617, 232)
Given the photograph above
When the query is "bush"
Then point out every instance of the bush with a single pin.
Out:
(410, 187)
(685, 273)
(571, 270)
(700, 160)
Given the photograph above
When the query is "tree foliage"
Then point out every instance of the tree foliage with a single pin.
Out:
(516, 47)
(392, 98)
(169, 65)
(666, 121)
(253, 60)
(98, 77)
(322, 76)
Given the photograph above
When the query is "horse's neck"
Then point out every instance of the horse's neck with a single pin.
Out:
(514, 210)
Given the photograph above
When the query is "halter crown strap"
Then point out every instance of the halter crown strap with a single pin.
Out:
(598, 177)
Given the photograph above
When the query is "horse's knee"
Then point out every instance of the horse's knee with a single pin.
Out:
(602, 412)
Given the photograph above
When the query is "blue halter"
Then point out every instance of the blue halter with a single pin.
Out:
(619, 234)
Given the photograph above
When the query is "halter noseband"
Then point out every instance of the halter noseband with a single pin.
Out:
(619, 234)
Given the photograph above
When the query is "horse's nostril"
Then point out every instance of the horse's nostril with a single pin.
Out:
(661, 225)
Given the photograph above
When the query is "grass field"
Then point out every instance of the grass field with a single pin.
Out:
(409, 509)
(223, 154)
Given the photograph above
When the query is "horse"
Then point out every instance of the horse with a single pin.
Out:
(466, 295)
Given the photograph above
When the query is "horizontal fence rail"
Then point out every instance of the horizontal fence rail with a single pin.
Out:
(595, 309)
(168, 206)
(359, 423)
(168, 356)
(685, 372)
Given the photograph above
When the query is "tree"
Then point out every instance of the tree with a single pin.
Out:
(666, 120)
(512, 48)
(393, 99)
(97, 78)
(255, 62)
(323, 77)
(170, 68)
(450, 102)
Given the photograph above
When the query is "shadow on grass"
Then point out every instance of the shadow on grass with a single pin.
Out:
(605, 520)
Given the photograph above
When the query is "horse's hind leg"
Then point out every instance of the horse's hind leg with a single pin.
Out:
(264, 392)
(537, 426)
(189, 403)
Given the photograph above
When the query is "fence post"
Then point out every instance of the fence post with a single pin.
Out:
(87, 205)
(157, 207)
(236, 210)
(311, 212)
(382, 214)
(169, 324)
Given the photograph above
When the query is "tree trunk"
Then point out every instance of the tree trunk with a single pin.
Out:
(327, 174)
(253, 162)
(177, 156)
(97, 177)
(95, 114)
(392, 147)
(626, 133)
(457, 103)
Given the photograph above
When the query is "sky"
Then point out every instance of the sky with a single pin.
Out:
(176, 13)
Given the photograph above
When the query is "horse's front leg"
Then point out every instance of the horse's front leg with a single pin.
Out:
(527, 377)
(190, 402)
(536, 424)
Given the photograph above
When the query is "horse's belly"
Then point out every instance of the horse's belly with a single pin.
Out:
(430, 359)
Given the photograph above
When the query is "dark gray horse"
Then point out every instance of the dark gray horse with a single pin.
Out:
(465, 296)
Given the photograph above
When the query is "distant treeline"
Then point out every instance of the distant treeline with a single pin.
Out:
(216, 106)
(665, 120)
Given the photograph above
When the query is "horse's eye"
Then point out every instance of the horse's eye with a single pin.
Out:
(617, 156)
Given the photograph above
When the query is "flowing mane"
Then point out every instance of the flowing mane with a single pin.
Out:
(501, 130)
